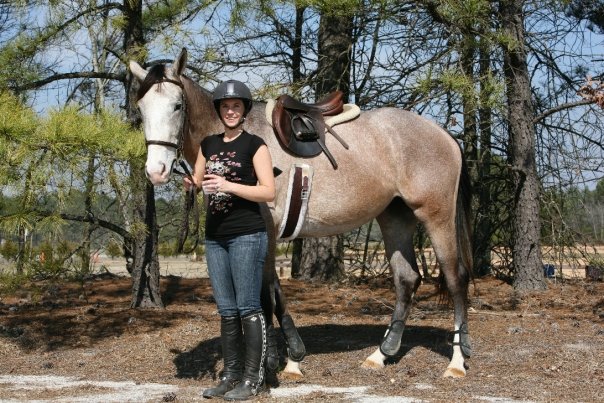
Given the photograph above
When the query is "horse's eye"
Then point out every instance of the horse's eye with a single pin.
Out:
(177, 107)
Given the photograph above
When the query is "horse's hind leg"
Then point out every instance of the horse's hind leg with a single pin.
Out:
(397, 224)
(449, 229)
(456, 276)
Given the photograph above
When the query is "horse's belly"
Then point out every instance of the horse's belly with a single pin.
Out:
(326, 217)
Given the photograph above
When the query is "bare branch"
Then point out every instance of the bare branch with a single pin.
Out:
(67, 76)
(559, 108)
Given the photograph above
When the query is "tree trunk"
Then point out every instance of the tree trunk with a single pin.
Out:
(469, 104)
(145, 270)
(526, 250)
(88, 227)
(322, 258)
(297, 247)
(20, 261)
(335, 47)
(297, 48)
(483, 224)
(145, 263)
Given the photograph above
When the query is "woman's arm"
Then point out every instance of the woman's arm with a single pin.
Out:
(264, 191)
(199, 169)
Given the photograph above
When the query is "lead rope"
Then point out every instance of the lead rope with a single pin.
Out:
(191, 205)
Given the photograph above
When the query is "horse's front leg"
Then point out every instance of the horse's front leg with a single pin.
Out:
(275, 302)
(397, 227)
(406, 281)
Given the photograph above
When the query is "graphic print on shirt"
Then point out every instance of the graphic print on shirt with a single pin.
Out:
(222, 164)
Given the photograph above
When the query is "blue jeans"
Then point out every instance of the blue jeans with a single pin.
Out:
(235, 268)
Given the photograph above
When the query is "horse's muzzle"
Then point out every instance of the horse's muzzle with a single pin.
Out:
(158, 173)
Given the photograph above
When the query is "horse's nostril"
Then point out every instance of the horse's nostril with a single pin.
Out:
(163, 168)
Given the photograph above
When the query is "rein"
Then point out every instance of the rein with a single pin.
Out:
(190, 199)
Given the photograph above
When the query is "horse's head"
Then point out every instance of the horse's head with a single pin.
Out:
(162, 105)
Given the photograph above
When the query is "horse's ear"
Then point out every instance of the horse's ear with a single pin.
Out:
(138, 72)
(180, 63)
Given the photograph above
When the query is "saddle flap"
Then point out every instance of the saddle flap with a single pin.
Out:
(307, 126)
(294, 133)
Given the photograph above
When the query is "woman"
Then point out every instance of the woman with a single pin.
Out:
(234, 169)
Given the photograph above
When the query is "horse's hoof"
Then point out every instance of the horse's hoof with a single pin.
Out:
(370, 364)
(454, 373)
(375, 360)
(292, 371)
(291, 376)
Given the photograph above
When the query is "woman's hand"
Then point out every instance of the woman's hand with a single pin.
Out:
(187, 183)
(215, 183)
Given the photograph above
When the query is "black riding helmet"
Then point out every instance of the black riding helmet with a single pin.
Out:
(233, 89)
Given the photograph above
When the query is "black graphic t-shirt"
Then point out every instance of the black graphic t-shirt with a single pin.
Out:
(230, 215)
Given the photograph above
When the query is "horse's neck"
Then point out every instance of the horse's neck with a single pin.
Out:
(201, 119)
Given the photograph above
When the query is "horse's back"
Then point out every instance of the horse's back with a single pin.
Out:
(392, 153)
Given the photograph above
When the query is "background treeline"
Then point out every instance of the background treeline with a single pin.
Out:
(516, 82)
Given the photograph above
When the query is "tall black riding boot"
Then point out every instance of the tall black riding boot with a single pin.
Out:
(254, 334)
(231, 338)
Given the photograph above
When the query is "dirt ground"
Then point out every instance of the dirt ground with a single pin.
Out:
(82, 342)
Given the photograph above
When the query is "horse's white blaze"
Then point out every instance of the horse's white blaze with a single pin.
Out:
(163, 113)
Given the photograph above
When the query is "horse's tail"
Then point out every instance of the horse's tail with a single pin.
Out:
(463, 228)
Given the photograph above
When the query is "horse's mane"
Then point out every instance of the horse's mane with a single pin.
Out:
(156, 74)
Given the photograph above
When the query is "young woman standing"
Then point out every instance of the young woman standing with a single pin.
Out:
(234, 169)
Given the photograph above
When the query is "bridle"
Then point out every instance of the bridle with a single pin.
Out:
(178, 146)
(190, 200)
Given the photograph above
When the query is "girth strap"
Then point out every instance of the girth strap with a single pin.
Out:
(296, 203)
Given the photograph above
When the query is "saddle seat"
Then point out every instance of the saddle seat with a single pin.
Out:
(330, 105)
(300, 127)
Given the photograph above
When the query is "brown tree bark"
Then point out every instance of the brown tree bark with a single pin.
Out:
(144, 266)
(526, 250)
(322, 258)
(85, 251)
(335, 47)
(483, 231)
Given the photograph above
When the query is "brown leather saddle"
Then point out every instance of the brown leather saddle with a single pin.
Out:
(301, 127)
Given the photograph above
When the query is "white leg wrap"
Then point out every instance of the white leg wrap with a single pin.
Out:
(456, 368)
